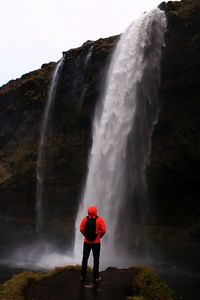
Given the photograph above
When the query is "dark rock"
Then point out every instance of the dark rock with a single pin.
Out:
(173, 174)
(162, 5)
(21, 110)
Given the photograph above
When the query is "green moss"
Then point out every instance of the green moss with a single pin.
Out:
(21, 164)
(13, 288)
(148, 285)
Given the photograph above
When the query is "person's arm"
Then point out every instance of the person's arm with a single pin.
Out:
(102, 228)
(82, 227)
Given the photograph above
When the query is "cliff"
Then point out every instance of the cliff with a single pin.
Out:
(173, 174)
(22, 105)
(174, 170)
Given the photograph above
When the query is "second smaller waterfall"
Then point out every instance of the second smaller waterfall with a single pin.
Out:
(40, 168)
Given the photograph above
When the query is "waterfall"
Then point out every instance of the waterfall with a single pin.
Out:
(89, 54)
(122, 128)
(85, 66)
(40, 167)
(80, 86)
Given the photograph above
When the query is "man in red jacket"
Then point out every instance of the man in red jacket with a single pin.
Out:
(93, 229)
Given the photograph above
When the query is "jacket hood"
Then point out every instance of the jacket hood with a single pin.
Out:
(92, 211)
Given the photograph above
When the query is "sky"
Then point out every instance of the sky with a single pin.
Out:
(34, 32)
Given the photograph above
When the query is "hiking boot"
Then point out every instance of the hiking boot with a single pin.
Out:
(97, 280)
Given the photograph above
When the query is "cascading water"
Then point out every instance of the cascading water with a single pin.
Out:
(40, 168)
(43, 253)
(88, 57)
(122, 130)
(80, 81)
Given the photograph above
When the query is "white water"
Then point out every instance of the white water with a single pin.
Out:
(40, 168)
(82, 82)
(122, 130)
(88, 57)
(131, 92)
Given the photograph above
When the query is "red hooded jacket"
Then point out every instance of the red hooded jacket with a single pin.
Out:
(100, 225)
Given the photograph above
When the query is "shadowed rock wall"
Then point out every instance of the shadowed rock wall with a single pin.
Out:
(22, 105)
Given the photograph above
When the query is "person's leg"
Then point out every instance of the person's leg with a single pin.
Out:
(86, 253)
(96, 255)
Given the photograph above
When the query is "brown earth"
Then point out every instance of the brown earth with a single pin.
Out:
(115, 285)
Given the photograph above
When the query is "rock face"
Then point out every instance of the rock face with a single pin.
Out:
(175, 162)
(22, 105)
(173, 174)
(175, 156)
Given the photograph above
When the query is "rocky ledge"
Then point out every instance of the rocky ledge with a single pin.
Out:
(136, 283)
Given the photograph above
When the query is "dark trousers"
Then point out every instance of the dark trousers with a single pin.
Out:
(96, 254)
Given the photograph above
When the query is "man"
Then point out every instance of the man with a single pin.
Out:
(93, 229)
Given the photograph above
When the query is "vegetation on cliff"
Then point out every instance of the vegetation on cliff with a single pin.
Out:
(144, 285)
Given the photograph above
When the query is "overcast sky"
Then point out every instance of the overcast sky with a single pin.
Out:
(34, 32)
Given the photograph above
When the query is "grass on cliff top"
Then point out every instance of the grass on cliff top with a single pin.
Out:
(147, 285)
(13, 288)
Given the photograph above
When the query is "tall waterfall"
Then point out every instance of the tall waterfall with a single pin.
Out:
(122, 129)
(82, 80)
(40, 168)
